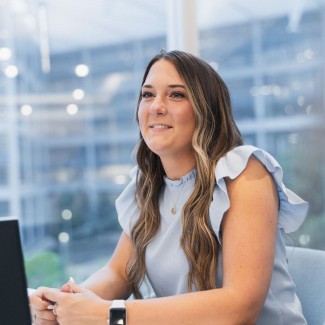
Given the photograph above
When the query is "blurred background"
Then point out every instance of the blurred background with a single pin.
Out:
(70, 73)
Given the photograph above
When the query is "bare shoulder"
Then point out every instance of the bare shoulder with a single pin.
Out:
(255, 170)
(255, 182)
(255, 167)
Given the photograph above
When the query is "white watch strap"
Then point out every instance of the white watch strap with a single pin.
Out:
(118, 304)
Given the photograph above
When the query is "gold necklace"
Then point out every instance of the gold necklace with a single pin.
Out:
(173, 210)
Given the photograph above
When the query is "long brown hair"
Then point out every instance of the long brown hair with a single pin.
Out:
(215, 134)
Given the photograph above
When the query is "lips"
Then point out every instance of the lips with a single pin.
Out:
(159, 126)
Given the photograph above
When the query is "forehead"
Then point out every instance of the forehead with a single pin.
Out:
(163, 70)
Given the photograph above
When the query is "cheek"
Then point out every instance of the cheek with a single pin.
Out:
(191, 125)
(143, 121)
(188, 119)
(141, 116)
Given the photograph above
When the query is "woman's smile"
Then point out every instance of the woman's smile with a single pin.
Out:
(159, 126)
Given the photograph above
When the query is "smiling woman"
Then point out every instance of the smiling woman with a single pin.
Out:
(166, 118)
(66, 139)
(203, 217)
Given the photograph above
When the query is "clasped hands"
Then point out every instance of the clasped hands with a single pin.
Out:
(70, 305)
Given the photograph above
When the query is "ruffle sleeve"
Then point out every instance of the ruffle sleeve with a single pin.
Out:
(126, 206)
(293, 210)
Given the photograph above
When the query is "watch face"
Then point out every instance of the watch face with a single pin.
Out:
(117, 316)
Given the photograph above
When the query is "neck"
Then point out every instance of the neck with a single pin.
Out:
(175, 168)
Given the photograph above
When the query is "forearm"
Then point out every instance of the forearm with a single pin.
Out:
(107, 284)
(213, 307)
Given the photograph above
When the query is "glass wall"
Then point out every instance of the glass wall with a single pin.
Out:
(276, 78)
(67, 127)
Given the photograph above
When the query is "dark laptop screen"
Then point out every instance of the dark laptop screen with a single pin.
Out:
(14, 308)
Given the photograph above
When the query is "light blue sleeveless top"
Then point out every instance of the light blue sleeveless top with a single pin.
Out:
(167, 266)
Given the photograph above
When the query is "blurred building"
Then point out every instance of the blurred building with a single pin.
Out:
(66, 136)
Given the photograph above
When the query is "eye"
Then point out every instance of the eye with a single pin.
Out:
(177, 95)
(146, 94)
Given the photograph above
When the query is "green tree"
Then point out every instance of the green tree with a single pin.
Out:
(44, 269)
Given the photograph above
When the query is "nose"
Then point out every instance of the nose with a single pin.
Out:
(157, 107)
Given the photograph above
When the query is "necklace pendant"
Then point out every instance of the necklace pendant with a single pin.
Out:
(173, 210)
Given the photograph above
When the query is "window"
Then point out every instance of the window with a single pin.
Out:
(67, 127)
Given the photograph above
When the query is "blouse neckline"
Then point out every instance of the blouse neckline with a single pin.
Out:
(182, 181)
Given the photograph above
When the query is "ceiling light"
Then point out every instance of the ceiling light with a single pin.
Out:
(5, 53)
(64, 237)
(81, 70)
(72, 109)
(66, 214)
(11, 71)
(26, 110)
(78, 94)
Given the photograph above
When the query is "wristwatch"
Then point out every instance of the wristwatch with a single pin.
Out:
(117, 313)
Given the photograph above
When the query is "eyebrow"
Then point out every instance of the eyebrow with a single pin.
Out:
(169, 86)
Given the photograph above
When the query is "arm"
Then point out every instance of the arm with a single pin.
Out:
(110, 281)
(249, 232)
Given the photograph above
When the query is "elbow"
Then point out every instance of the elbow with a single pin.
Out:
(245, 311)
(249, 321)
(248, 314)
(244, 317)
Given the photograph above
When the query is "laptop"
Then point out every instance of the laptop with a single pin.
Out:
(14, 305)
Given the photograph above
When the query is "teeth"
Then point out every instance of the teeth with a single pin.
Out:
(160, 126)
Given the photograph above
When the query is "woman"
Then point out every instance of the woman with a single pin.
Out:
(203, 218)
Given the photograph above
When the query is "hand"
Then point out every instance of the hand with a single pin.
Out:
(82, 307)
(39, 308)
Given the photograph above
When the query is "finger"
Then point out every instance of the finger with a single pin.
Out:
(45, 315)
(38, 302)
(53, 295)
(54, 309)
(39, 293)
(37, 321)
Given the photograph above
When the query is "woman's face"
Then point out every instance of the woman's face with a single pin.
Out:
(166, 117)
